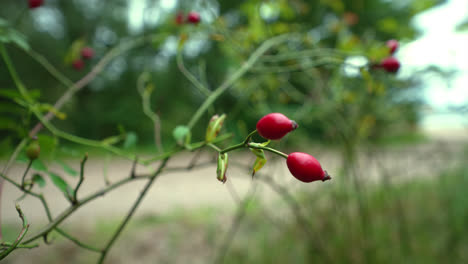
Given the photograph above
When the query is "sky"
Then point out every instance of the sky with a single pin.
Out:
(440, 45)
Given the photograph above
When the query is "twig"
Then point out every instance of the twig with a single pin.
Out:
(91, 75)
(145, 93)
(5, 171)
(180, 63)
(235, 76)
(21, 235)
(50, 68)
(83, 161)
(132, 211)
(26, 172)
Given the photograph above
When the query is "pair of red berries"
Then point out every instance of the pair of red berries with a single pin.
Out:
(192, 18)
(86, 53)
(302, 166)
(390, 64)
(35, 3)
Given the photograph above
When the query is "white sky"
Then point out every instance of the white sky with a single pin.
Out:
(441, 46)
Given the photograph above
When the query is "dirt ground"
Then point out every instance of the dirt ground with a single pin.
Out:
(181, 190)
(199, 187)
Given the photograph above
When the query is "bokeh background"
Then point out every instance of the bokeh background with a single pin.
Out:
(394, 143)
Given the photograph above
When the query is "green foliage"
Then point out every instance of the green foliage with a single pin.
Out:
(313, 85)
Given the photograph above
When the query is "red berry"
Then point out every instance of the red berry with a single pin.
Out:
(78, 64)
(193, 17)
(35, 3)
(306, 168)
(392, 45)
(179, 19)
(390, 64)
(275, 126)
(87, 53)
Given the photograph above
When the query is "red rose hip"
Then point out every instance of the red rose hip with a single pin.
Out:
(35, 3)
(87, 53)
(193, 17)
(390, 64)
(306, 168)
(275, 126)
(179, 18)
(78, 64)
(392, 45)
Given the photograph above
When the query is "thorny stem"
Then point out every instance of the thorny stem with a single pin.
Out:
(258, 146)
(132, 211)
(75, 199)
(5, 171)
(26, 173)
(91, 75)
(240, 145)
(21, 235)
(234, 77)
(180, 63)
(54, 223)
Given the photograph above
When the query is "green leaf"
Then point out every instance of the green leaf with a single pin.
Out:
(48, 144)
(67, 168)
(222, 167)
(61, 184)
(131, 140)
(214, 126)
(37, 178)
(8, 124)
(39, 165)
(260, 161)
(181, 133)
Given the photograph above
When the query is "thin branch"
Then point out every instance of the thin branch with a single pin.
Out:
(26, 172)
(92, 74)
(235, 76)
(5, 169)
(132, 211)
(21, 235)
(180, 63)
(7, 244)
(82, 163)
(50, 68)
(145, 91)
(67, 212)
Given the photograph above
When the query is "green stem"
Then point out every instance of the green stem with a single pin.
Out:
(26, 172)
(233, 147)
(7, 244)
(50, 68)
(22, 89)
(75, 199)
(21, 235)
(277, 152)
(213, 146)
(234, 77)
(132, 211)
(240, 145)
(190, 76)
(53, 224)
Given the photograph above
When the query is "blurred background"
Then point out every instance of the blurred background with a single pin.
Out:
(395, 143)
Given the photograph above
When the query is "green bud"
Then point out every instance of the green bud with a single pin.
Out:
(222, 167)
(214, 126)
(33, 150)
